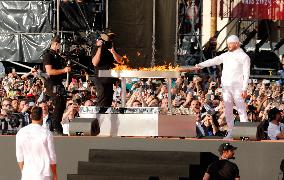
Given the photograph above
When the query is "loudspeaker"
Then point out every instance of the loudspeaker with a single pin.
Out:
(84, 127)
(245, 131)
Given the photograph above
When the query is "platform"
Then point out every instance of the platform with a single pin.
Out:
(256, 160)
(136, 124)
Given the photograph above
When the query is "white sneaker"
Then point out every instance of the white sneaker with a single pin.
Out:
(229, 135)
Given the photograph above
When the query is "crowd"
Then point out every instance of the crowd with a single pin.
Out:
(198, 95)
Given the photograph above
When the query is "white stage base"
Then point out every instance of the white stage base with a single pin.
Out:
(137, 125)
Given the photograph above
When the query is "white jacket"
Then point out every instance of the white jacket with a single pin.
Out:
(236, 68)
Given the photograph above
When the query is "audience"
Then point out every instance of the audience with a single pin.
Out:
(199, 96)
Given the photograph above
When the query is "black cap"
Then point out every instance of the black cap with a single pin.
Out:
(226, 147)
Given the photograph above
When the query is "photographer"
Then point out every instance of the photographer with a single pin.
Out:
(69, 115)
(9, 120)
(53, 66)
(104, 58)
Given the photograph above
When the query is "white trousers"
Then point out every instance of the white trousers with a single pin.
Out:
(233, 96)
(35, 177)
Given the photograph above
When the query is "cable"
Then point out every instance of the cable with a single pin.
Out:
(81, 12)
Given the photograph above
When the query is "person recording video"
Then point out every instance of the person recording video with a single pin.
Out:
(53, 66)
(103, 59)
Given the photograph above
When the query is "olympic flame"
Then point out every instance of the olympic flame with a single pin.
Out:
(155, 68)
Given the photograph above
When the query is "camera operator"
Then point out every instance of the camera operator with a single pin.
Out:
(104, 58)
(53, 66)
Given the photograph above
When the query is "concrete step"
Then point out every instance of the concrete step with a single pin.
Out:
(97, 177)
(131, 169)
(160, 157)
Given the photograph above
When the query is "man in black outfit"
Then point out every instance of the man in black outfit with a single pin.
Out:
(53, 66)
(104, 59)
(223, 169)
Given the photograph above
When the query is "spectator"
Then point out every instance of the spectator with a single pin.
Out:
(24, 110)
(46, 116)
(15, 105)
(89, 103)
(70, 113)
(275, 127)
(210, 123)
(194, 107)
(7, 104)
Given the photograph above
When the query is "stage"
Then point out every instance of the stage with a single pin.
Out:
(256, 160)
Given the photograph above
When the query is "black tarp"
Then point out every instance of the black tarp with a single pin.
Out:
(25, 30)
(165, 31)
(81, 16)
(132, 21)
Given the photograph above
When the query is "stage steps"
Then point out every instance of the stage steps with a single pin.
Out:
(161, 157)
(140, 165)
(96, 177)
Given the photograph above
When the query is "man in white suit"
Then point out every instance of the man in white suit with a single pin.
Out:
(234, 80)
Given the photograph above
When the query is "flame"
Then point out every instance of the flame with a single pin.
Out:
(155, 68)
(124, 59)
(121, 67)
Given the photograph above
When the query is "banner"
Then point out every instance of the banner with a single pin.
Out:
(253, 9)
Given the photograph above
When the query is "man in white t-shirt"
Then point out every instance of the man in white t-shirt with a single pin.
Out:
(35, 150)
(275, 128)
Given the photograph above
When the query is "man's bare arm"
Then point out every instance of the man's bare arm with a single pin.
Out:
(206, 176)
(55, 72)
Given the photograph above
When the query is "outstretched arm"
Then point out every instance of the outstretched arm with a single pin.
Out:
(210, 62)
(189, 69)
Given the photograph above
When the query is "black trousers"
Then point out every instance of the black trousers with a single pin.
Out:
(59, 102)
(104, 94)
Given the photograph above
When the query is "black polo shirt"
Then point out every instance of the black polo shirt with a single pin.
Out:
(52, 58)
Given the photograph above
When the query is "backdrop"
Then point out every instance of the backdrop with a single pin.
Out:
(24, 30)
(132, 21)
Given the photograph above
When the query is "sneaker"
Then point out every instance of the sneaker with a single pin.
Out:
(57, 133)
(229, 135)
